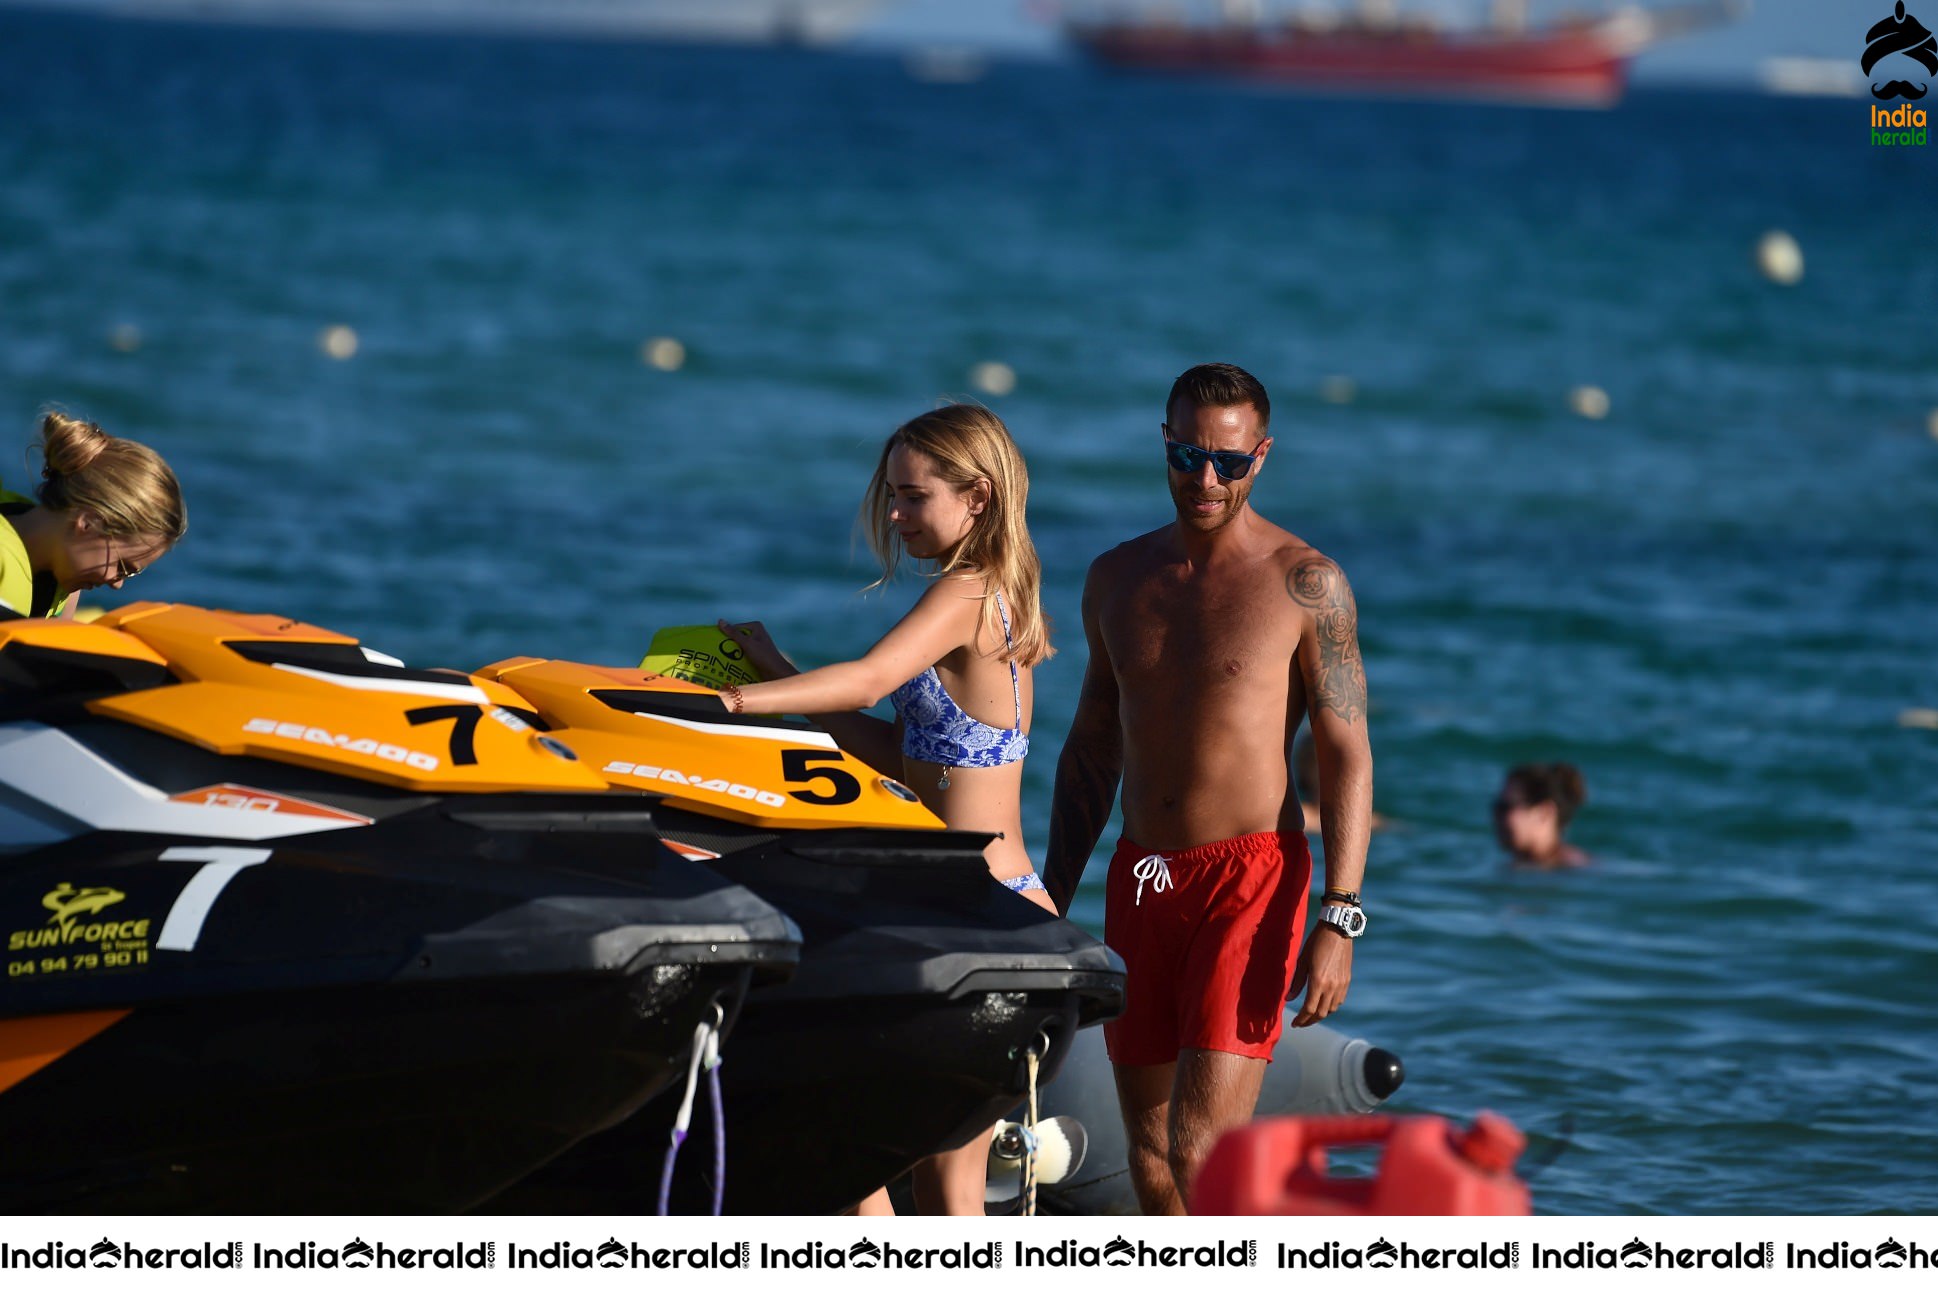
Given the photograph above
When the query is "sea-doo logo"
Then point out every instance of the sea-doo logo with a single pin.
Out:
(745, 792)
(299, 733)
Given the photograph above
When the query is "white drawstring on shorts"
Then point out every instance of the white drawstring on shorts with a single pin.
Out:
(1153, 869)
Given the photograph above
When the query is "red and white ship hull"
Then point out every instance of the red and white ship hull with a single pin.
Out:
(1582, 63)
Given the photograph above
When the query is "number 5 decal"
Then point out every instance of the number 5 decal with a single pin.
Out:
(183, 926)
(797, 764)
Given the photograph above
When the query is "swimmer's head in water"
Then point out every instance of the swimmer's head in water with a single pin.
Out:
(1534, 806)
(1216, 414)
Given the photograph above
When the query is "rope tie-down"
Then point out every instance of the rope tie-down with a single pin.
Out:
(705, 1054)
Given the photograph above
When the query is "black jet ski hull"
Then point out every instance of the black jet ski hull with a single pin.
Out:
(923, 986)
(404, 1016)
(426, 1099)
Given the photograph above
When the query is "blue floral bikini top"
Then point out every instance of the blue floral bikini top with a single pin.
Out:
(936, 729)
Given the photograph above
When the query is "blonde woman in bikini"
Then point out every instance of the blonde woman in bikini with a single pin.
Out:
(950, 489)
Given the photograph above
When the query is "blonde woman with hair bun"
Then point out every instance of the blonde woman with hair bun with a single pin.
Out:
(950, 489)
(106, 509)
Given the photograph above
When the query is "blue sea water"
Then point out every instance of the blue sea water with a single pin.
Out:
(1717, 600)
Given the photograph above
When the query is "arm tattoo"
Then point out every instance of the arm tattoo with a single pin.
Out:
(1339, 682)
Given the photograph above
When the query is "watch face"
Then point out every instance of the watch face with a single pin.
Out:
(1347, 919)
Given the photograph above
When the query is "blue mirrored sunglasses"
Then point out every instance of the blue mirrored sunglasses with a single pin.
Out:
(1189, 460)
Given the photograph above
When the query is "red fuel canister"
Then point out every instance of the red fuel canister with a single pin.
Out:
(1428, 1165)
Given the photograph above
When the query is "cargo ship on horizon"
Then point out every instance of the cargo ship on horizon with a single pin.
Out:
(1375, 49)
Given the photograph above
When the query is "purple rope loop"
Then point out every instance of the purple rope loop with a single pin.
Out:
(703, 1053)
(719, 1138)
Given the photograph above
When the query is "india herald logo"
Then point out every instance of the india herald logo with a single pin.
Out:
(1901, 33)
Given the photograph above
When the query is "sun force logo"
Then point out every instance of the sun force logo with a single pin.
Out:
(1893, 49)
(76, 921)
(69, 902)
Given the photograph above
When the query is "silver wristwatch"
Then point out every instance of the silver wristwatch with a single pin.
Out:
(1348, 920)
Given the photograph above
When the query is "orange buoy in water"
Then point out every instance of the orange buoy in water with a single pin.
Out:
(1428, 1166)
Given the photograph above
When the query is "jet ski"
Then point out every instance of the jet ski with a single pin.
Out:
(924, 985)
(290, 927)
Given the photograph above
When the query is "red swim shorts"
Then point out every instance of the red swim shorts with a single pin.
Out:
(1210, 936)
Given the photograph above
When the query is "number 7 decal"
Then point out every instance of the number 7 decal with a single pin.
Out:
(464, 724)
(183, 926)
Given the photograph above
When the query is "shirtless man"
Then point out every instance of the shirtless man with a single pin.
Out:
(1210, 640)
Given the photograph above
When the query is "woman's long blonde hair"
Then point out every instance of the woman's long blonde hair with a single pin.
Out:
(125, 484)
(968, 443)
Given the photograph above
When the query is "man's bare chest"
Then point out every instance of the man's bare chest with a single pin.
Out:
(1184, 633)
